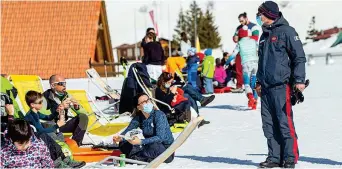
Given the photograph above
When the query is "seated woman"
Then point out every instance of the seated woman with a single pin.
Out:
(155, 129)
(168, 92)
(220, 74)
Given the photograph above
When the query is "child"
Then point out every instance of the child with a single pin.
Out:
(22, 149)
(175, 64)
(192, 64)
(35, 101)
(220, 74)
(208, 71)
(248, 51)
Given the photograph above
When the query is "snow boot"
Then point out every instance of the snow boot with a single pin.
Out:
(72, 163)
(203, 122)
(268, 164)
(251, 101)
(59, 163)
(206, 100)
(289, 164)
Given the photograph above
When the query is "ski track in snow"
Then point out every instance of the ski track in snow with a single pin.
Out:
(235, 139)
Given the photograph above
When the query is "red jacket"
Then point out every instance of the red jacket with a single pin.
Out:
(179, 97)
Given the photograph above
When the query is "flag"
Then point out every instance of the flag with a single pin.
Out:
(198, 46)
(153, 22)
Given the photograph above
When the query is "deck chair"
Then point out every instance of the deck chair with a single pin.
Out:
(25, 83)
(96, 125)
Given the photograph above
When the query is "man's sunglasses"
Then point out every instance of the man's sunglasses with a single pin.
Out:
(60, 83)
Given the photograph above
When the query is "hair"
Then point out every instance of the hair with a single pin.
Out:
(52, 79)
(148, 30)
(137, 112)
(32, 96)
(19, 131)
(164, 77)
(151, 36)
(218, 62)
(243, 15)
(225, 54)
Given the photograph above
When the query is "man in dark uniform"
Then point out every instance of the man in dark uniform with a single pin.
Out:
(281, 66)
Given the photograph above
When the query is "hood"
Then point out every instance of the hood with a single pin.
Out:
(281, 21)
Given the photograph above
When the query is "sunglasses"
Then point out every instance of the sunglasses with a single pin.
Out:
(39, 102)
(144, 102)
(60, 83)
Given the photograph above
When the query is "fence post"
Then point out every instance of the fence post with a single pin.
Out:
(328, 57)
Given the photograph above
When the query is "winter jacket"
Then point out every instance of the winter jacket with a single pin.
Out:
(192, 63)
(164, 97)
(11, 91)
(220, 74)
(51, 102)
(153, 54)
(155, 128)
(179, 98)
(36, 156)
(175, 64)
(251, 26)
(247, 48)
(33, 119)
(281, 55)
(208, 67)
(131, 88)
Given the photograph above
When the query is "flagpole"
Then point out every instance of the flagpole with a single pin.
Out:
(135, 35)
(168, 24)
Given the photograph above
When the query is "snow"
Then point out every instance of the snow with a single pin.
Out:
(234, 138)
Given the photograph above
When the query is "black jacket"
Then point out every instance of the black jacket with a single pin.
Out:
(164, 97)
(153, 54)
(131, 88)
(281, 55)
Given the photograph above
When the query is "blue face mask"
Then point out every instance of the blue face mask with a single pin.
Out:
(259, 21)
(147, 108)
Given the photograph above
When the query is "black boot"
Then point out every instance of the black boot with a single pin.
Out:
(268, 164)
(207, 100)
(203, 122)
(289, 164)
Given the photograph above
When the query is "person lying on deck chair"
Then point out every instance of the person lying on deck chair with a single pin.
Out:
(155, 129)
(57, 98)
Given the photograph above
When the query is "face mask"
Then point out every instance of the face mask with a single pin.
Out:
(59, 94)
(147, 108)
(167, 85)
(259, 21)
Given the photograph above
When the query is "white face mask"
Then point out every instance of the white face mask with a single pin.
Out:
(167, 85)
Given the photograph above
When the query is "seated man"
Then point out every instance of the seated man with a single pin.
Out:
(58, 98)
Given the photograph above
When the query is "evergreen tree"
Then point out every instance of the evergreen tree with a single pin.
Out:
(194, 17)
(209, 35)
(312, 31)
(181, 27)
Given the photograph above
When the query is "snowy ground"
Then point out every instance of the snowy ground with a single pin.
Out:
(235, 138)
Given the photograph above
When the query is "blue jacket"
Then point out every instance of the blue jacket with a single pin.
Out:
(192, 63)
(281, 55)
(33, 119)
(155, 128)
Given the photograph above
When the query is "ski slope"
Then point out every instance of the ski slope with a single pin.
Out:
(235, 139)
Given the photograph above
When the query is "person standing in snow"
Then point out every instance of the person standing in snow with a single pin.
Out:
(185, 44)
(154, 57)
(192, 66)
(243, 19)
(208, 68)
(281, 65)
(247, 47)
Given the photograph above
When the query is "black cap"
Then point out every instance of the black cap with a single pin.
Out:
(269, 9)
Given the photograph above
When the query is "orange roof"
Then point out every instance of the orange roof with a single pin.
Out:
(48, 37)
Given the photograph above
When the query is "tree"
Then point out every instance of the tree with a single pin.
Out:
(209, 36)
(194, 19)
(312, 31)
(181, 27)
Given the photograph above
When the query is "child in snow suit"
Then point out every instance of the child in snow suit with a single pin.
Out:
(192, 66)
(248, 51)
(220, 74)
(208, 68)
(175, 64)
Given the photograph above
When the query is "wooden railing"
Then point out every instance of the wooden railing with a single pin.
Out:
(115, 67)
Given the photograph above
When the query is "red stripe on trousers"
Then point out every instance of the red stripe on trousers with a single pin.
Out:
(238, 69)
(289, 121)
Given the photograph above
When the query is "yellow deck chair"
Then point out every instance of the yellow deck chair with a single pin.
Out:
(94, 125)
(25, 83)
